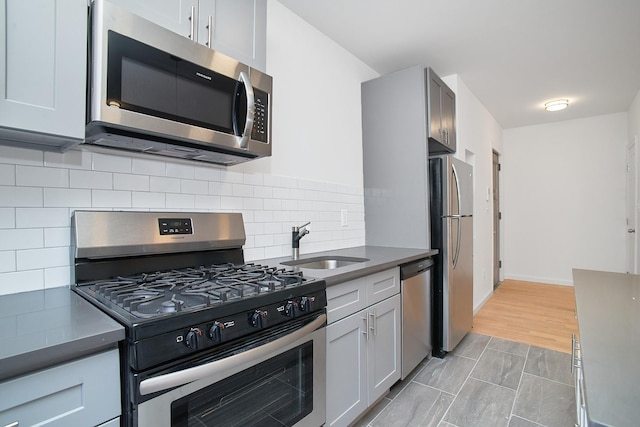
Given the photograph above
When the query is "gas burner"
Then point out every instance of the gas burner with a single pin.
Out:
(168, 292)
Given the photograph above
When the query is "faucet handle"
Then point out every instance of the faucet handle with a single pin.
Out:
(300, 227)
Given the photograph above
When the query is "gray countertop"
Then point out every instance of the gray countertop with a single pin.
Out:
(608, 306)
(380, 258)
(43, 328)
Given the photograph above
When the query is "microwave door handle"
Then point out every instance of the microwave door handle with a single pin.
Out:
(243, 139)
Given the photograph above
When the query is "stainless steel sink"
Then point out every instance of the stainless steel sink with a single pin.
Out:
(325, 262)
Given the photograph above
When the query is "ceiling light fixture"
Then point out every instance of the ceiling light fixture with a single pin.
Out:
(557, 105)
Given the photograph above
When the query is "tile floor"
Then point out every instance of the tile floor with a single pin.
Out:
(485, 381)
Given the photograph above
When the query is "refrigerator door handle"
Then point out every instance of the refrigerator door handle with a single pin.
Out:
(458, 217)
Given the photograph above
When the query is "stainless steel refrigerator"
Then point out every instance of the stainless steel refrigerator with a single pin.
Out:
(451, 212)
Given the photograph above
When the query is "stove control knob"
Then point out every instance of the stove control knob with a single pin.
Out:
(193, 338)
(305, 303)
(290, 309)
(258, 319)
(215, 332)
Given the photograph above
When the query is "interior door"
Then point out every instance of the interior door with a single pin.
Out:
(632, 264)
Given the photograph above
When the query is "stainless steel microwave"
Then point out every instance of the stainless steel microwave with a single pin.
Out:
(154, 91)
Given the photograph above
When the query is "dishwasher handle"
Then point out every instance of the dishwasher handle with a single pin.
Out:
(416, 267)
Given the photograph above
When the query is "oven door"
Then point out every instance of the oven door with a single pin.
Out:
(279, 381)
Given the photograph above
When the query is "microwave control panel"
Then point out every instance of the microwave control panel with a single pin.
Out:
(261, 117)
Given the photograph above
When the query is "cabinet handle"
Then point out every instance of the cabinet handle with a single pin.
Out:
(192, 25)
(374, 323)
(366, 327)
(210, 33)
(13, 424)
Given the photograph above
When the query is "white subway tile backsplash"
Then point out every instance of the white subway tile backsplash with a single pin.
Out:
(209, 203)
(41, 217)
(220, 188)
(131, 182)
(164, 185)
(181, 201)
(21, 156)
(64, 197)
(21, 281)
(231, 203)
(57, 236)
(110, 198)
(57, 276)
(191, 186)
(7, 218)
(242, 190)
(249, 203)
(253, 179)
(35, 216)
(20, 196)
(14, 239)
(7, 261)
(7, 174)
(90, 179)
(38, 176)
(144, 200)
(71, 159)
(179, 170)
(263, 240)
(111, 163)
(31, 259)
(148, 167)
(232, 176)
(208, 173)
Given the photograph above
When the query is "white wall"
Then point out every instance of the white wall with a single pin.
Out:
(317, 132)
(564, 198)
(314, 172)
(478, 134)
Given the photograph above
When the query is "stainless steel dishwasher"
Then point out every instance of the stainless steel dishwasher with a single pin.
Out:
(415, 288)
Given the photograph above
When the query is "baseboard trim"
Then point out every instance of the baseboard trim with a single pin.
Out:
(542, 280)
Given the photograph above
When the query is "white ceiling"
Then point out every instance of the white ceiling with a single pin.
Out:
(514, 55)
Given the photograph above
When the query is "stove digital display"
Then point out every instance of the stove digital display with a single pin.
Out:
(175, 226)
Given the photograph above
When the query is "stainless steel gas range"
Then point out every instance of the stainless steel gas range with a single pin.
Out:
(210, 340)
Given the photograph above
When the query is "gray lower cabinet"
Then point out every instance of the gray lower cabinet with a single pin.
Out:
(363, 344)
(43, 53)
(84, 392)
(237, 28)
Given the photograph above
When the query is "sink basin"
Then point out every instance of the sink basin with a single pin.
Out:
(325, 262)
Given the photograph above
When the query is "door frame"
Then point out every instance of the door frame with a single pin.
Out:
(633, 262)
(497, 216)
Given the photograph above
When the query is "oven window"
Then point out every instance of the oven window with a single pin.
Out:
(277, 392)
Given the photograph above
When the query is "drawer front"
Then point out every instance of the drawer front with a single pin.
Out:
(383, 285)
(345, 299)
(83, 392)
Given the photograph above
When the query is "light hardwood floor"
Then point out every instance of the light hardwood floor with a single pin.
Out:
(532, 313)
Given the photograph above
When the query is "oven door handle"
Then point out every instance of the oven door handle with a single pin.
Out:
(176, 379)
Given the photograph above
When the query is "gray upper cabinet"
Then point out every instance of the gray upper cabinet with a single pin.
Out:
(237, 28)
(441, 115)
(43, 51)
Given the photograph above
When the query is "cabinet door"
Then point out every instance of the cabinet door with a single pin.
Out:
(435, 107)
(383, 352)
(43, 52)
(175, 15)
(237, 28)
(85, 392)
(449, 117)
(346, 370)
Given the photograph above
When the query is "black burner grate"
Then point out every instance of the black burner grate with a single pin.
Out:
(162, 293)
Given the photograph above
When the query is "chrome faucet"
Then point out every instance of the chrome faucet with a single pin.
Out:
(298, 233)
